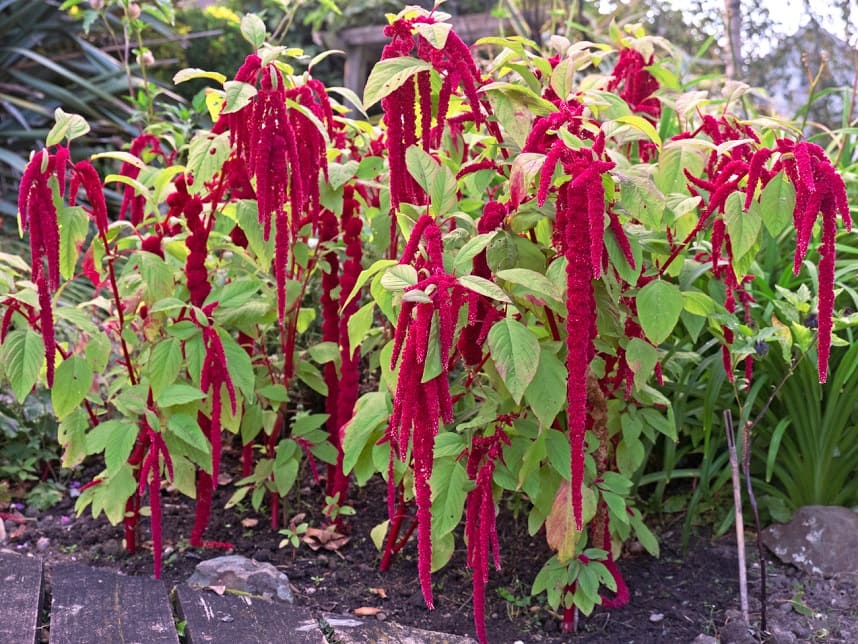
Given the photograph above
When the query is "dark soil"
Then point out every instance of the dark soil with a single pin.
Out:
(674, 599)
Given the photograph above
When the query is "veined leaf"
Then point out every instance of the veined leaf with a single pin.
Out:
(659, 304)
(389, 75)
(190, 73)
(22, 355)
(72, 381)
(66, 126)
(515, 352)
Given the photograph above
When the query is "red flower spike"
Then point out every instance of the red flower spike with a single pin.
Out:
(88, 177)
(39, 217)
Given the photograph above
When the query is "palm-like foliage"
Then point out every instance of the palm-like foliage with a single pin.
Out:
(45, 64)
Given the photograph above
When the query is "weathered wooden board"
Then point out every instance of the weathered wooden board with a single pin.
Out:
(351, 630)
(95, 605)
(20, 598)
(240, 619)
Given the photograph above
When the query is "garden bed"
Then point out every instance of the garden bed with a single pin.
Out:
(673, 599)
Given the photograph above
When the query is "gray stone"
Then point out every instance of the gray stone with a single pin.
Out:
(704, 639)
(736, 633)
(816, 539)
(243, 575)
(781, 635)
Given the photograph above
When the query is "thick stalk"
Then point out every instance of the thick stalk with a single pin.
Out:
(740, 524)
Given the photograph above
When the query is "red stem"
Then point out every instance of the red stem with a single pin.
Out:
(394, 544)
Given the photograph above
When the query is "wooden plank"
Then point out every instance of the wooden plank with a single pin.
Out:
(95, 605)
(241, 619)
(351, 630)
(21, 591)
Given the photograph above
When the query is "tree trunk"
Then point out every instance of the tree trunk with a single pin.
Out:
(733, 31)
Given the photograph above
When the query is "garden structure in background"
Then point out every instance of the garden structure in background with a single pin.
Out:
(481, 297)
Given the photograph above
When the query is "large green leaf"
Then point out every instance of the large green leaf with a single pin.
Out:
(515, 352)
(389, 75)
(164, 364)
(659, 304)
(372, 409)
(23, 353)
(450, 485)
(777, 203)
(72, 381)
(546, 393)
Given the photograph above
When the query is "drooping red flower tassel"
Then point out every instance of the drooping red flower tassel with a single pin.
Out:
(39, 217)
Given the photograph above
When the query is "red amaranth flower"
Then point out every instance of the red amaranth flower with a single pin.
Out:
(418, 404)
(38, 215)
(133, 203)
(480, 518)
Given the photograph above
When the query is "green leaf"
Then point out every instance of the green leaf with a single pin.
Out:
(642, 358)
(675, 158)
(72, 381)
(630, 455)
(647, 539)
(239, 365)
(118, 447)
(305, 422)
(253, 30)
(98, 437)
(71, 435)
(485, 287)
(191, 73)
(179, 394)
(310, 375)
(463, 264)
(450, 485)
(66, 126)
(659, 304)
(237, 96)
(186, 428)
(641, 124)
(97, 352)
(22, 355)
(157, 276)
(515, 352)
(389, 75)
(422, 166)
(777, 203)
(435, 33)
(399, 277)
(743, 227)
(367, 274)
(378, 533)
(534, 282)
(286, 464)
(74, 225)
(442, 550)
(324, 352)
(371, 411)
(359, 324)
(206, 156)
(163, 365)
(340, 173)
(546, 394)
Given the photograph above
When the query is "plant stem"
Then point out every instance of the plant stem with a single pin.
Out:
(746, 470)
(737, 503)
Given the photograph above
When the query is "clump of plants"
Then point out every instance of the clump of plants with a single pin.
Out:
(511, 252)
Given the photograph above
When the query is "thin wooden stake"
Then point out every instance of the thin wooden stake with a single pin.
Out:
(740, 524)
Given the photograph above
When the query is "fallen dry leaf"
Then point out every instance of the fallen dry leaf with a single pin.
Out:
(367, 611)
(327, 538)
(250, 522)
(220, 590)
(379, 591)
(224, 479)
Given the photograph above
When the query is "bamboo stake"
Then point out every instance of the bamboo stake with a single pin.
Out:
(740, 525)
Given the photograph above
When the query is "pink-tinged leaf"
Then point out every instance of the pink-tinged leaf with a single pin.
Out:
(560, 531)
